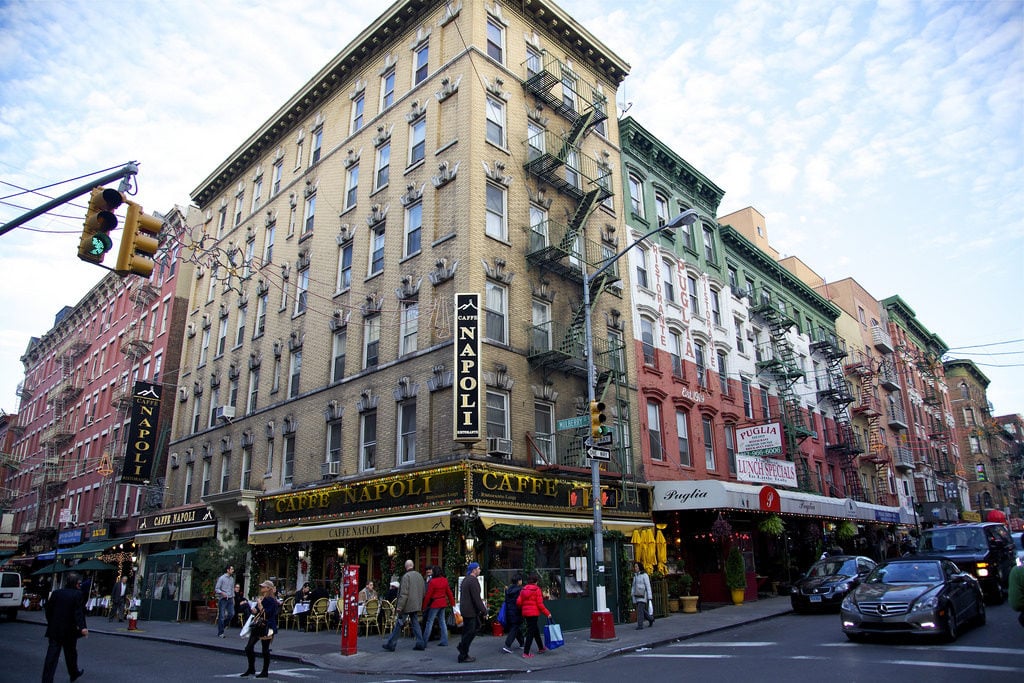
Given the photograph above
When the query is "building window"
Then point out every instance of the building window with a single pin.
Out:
(496, 122)
(661, 209)
(700, 358)
(254, 391)
(738, 326)
(709, 245)
(683, 432)
(275, 186)
(748, 402)
(497, 415)
(307, 224)
(572, 167)
(636, 196)
(709, 445)
(383, 165)
(204, 347)
(246, 467)
(723, 374)
(533, 62)
(410, 325)
(301, 291)
(766, 411)
(496, 224)
(334, 441)
(417, 141)
(222, 336)
(413, 228)
(669, 281)
(496, 308)
(250, 256)
(495, 41)
(239, 201)
(225, 473)
(344, 267)
(420, 63)
(338, 355)
(358, 106)
(387, 89)
(541, 318)
(257, 193)
(406, 433)
(654, 431)
(730, 447)
(261, 316)
(268, 247)
(197, 412)
(314, 148)
(535, 141)
(288, 461)
(647, 341)
(716, 308)
(641, 268)
(377, 250)
(294, 373)
(691, 290)
(368, 441)
(371, 341)
(189, 473)
(676, 350)
(569, 90)
(270, 457)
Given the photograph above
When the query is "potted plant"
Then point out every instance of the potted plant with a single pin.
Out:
(675, 589)
(735, 575)
(687, 600)
(495, 599)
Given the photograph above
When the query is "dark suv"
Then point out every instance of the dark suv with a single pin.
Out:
(983, 549)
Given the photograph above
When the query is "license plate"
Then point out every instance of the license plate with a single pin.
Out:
(815, 598)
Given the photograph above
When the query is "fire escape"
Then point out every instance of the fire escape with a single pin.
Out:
(939, 433)
(780, 367)
(564, 250)
(835, 391)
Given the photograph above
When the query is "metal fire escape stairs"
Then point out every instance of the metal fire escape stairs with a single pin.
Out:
(558, 161)
(938, 431)
(835, 392)
(782, 369)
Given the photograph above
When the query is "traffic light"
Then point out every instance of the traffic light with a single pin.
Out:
(597, 419)
(139, 242)
(99, 221)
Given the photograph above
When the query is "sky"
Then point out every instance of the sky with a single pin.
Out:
(882, 141)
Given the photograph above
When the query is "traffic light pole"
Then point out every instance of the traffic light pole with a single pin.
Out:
(602, 626)
(129, 169)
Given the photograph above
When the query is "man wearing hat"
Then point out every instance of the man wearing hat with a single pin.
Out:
(473, 609)
(408, 606)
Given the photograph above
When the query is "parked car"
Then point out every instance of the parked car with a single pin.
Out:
(11, 594)
(1018, 545)
(984, 549)
(828, 581)
(914, 595)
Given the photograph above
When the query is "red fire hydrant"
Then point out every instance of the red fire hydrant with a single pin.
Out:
(133, 621)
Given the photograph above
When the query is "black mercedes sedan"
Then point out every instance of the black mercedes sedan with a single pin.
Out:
(828, 581)
(914, 595)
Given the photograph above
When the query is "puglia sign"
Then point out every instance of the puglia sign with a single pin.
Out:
(142, 433)
(467, 367)
(760, 440)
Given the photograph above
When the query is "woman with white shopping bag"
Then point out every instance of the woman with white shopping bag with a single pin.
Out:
(642, 596)
(531, 602)
(262, 628)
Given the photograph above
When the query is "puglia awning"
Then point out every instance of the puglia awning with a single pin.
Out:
(155, 537)
(625, 526)
(356, 528)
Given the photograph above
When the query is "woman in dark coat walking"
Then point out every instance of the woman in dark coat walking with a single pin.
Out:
(513, 615)
(264, 626)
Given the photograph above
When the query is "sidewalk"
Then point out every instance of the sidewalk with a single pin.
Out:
(323, 649)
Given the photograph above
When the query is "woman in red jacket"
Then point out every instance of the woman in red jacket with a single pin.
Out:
(531, 602)
(437, 598)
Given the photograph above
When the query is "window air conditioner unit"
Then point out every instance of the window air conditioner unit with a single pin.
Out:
(497, 446)
(330, 469)
(225, 413)
(73, 518)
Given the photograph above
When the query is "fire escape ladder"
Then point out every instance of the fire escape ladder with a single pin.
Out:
(837, 394)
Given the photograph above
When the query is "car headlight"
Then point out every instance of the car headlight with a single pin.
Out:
(928, 602)
(842, 587)
(849, 603)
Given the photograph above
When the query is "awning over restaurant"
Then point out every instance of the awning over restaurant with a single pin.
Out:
(89, 548)
(206, 531)
(357, 528)
(490, 519)
(155, 537)
(177, 552)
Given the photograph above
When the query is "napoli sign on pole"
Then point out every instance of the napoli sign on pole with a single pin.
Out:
(142, 434)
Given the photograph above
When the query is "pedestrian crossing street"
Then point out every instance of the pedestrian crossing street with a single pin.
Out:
(903, 655)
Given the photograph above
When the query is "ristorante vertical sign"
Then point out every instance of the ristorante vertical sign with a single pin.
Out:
(467, 367)
(142, 434)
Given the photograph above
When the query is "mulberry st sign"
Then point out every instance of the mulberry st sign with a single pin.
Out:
(467, 367)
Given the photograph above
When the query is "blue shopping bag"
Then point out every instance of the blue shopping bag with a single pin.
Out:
(553, 635)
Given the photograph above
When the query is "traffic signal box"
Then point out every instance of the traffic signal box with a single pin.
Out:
(597, 419)
(99, 221)
(140, 240)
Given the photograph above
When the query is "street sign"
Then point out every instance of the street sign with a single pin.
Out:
(599, 454)
(605, 440)
(577, 422)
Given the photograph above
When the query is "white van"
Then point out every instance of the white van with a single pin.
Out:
(11, 594)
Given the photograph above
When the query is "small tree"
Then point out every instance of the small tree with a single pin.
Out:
(211, 559)
(735, 570)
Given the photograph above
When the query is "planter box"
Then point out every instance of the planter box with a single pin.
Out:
(204, 614)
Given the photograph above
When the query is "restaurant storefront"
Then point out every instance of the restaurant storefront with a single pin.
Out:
(508, 519)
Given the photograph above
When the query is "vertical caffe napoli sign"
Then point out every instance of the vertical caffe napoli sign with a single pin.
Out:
(142, 434)
(467, 367)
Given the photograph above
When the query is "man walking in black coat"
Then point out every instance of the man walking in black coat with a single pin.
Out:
(65, 624)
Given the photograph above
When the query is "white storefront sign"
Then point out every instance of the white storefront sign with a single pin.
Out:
(760, 440)
(766, 470)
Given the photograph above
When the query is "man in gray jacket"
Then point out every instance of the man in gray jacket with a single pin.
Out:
(408, 606)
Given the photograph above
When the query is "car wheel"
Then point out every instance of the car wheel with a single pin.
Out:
(982, 617)
(12, 614)
(952, 625)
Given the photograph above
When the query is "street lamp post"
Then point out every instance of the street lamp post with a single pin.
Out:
(602, 626)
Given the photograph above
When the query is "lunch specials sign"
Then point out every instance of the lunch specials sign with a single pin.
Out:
(765, 470)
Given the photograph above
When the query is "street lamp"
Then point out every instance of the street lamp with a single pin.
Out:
(602, 626)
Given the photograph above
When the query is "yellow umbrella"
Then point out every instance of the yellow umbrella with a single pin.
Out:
(648, 552)
(661, 550)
